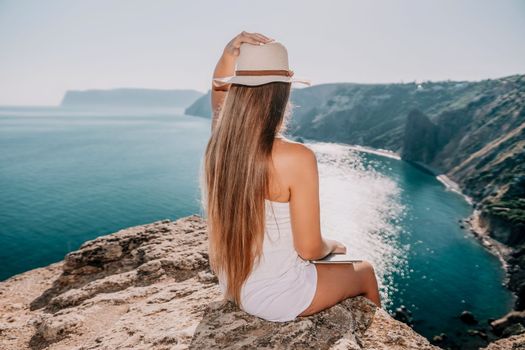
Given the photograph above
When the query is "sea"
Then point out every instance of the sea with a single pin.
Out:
(68, 175)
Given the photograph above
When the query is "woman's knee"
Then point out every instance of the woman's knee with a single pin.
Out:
(368, 273)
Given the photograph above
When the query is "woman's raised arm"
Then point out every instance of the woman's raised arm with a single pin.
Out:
(226, 67)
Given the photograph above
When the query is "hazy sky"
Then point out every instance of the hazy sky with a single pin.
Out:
(47, 47)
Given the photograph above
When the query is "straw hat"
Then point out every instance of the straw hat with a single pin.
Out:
(261, 64)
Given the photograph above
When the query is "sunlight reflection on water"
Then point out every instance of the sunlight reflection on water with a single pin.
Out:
(361, 208)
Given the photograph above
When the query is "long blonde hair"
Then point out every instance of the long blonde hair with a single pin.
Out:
(235, 178)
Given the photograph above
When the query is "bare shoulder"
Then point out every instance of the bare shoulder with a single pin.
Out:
(291, 157)
(294, 166)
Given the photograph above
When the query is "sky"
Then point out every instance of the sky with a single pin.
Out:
(49, 47)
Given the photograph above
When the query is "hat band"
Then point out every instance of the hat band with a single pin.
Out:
(287, 73)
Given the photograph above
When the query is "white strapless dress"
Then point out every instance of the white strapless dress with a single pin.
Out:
(282, 285)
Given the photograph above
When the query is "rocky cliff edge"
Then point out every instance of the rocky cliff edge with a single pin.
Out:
(150, 287)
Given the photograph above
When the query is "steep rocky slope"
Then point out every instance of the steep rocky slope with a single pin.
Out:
(150, 287)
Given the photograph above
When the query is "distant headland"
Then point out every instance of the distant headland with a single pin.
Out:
(130, 97)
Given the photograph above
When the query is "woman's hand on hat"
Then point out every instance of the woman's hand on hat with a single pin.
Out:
(233, 47)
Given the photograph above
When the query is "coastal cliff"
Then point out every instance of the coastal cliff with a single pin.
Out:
(150, 287)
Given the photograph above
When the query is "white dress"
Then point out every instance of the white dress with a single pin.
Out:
(282, 285)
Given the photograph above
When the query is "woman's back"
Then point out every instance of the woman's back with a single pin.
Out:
(281, 284)
(279, 254)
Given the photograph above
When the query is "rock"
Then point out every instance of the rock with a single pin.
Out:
(404, 315)
(347, 322)
(506, 324)
(467, 317)
(514, 342)
(421, 140)
(150, 287)
(513, 329)
(478, 332)
(52, 329)
(439, 338)
(518, 272)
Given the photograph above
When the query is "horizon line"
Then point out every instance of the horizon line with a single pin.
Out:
(415, 81)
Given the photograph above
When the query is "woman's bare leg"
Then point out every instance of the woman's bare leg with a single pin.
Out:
(337, 282)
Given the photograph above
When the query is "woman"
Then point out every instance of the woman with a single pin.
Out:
(260, 193)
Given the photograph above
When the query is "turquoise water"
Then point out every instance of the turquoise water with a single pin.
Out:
(68, 176)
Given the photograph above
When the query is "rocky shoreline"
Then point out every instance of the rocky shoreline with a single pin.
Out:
(512, 323)
(481, 232)
(150, 287)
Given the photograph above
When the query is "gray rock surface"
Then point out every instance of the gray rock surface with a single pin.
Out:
(150, 287)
